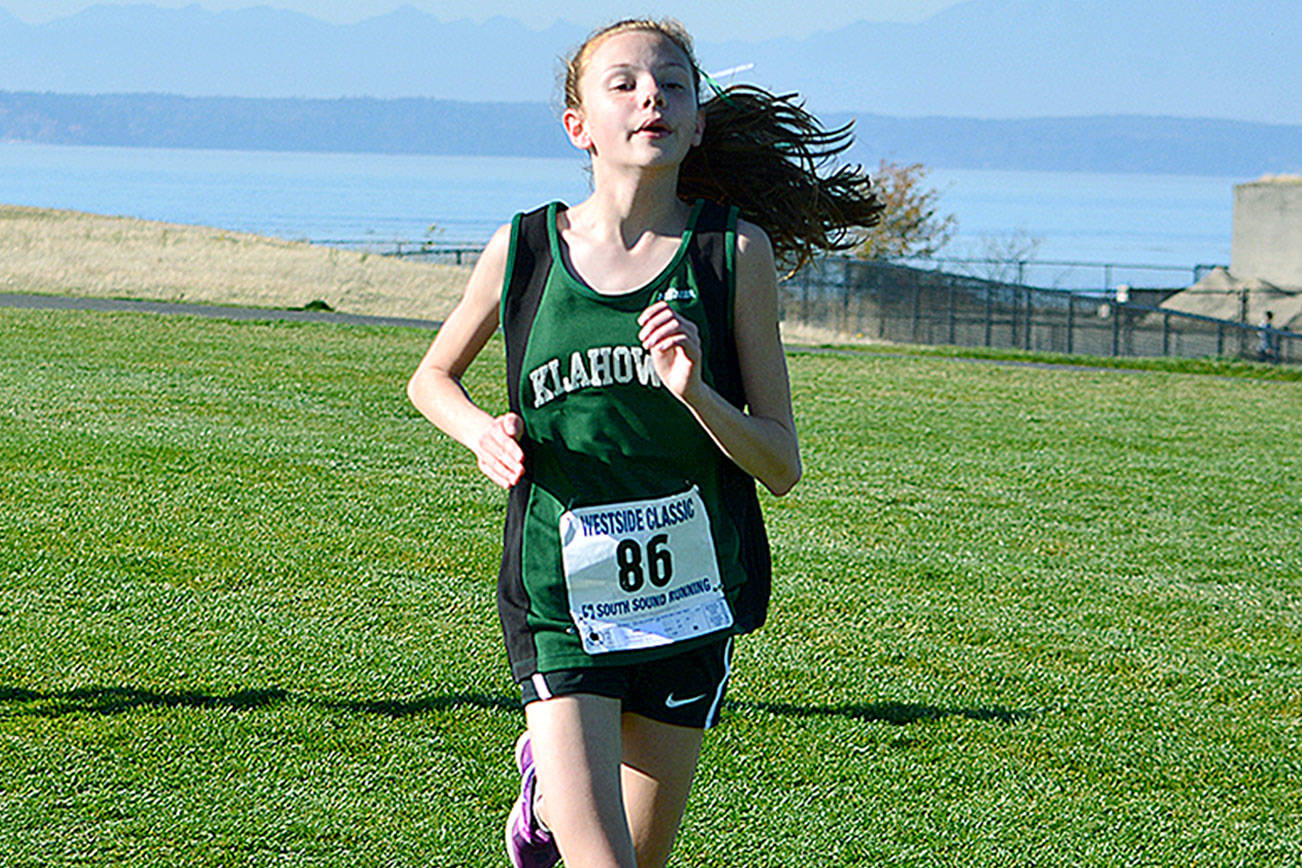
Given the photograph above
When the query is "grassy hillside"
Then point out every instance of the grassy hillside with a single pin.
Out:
(1022, 616)
(72, 253)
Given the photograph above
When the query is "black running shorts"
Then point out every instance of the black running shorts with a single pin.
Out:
(683, 690)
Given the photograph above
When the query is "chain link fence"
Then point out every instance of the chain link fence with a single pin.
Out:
(439, 252)
(924, 305)
(1062, 273)
(892, 302)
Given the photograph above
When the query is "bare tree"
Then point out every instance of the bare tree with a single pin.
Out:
(910, 225)
(1004, 257)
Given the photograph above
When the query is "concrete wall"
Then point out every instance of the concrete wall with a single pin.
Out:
(1267, 240)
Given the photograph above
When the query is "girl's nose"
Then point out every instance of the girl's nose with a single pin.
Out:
(653, 95)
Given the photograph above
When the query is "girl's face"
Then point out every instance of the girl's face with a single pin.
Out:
(638, 102)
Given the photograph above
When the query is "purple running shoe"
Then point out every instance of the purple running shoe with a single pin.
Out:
(528, 844)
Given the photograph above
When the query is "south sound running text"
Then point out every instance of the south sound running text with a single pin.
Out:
(644, 603)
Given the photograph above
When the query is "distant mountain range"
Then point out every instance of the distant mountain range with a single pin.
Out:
(1104, 85)
(980, 58)
(1154, 145)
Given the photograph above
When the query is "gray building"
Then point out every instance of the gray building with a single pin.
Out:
(1267, 240)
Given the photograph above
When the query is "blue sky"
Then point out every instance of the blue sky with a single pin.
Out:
(972, 58)
(713, 20)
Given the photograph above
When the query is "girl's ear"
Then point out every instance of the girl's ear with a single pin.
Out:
(576, 129)
(699, 132)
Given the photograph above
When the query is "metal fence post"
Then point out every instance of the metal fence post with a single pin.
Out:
(953, 312)
(1014, 317)
(1116, 329)
(881, 306)
(1071, 322)
(917, 313)
(804, 293)
(990, 313)
(1030, 319)
(845, 295)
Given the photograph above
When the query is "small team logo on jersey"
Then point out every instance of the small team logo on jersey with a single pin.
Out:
(677, 293)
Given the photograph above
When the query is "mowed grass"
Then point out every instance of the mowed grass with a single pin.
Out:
(1022, 615)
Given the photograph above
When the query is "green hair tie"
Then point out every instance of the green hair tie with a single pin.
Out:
(716, 87)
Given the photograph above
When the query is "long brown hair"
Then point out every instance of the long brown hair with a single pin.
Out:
(763, 153)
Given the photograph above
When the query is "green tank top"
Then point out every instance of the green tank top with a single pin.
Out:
(625, 541)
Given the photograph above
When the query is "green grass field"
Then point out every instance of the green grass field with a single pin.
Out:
(1023, 615)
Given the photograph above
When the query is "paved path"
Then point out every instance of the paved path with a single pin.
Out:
(1013, 363)
(64, 302)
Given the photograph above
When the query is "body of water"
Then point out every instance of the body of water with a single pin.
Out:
(1165, 220)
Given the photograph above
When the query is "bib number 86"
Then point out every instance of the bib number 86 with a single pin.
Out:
(629, 556)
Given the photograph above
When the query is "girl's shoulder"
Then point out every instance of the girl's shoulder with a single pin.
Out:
(488, 275)
(752, 240)
(753, 245)
(497, 251)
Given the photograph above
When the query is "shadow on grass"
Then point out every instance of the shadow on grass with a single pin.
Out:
(896, 713)
(117, 700)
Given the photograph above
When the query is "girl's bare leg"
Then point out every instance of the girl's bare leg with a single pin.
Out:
(577, 749)
(659, 765)
(613, 787)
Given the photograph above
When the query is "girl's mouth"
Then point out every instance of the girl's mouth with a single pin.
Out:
(654, 128)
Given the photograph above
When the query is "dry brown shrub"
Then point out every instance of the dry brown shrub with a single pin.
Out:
(72, 253)
(802, 333)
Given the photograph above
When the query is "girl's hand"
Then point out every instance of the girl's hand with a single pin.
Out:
(675, 346)
(498, 450)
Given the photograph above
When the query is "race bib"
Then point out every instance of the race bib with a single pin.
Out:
(643, 573)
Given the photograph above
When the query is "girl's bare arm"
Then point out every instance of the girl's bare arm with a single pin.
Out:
(435, 388)
(763, 441)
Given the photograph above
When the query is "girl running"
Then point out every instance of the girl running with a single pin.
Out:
(648, 390)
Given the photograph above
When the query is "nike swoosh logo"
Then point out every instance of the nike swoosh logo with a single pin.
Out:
(671, 702)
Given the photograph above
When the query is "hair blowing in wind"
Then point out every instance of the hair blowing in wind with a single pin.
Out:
(768, 156)
(765, 154)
